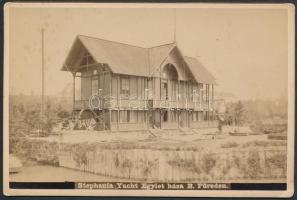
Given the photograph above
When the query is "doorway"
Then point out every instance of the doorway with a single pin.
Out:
(183, 119)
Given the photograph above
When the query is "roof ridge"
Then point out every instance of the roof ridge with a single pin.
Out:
(161, 45)
(112, 41)
(132, 45)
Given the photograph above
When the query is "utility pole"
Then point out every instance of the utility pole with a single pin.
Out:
(42, 77)
(174, 37)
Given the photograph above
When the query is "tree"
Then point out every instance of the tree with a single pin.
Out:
(229, 114)
(239, 114)
(235, 114)
(48, 122)
(32, 119)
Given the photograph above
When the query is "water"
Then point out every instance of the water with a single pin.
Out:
(46, 173)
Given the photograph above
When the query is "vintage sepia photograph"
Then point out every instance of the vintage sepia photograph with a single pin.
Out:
(149, 99)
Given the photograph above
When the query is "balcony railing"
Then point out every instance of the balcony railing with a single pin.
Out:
(180, 104)
(139, 104)
(128, 103)
(96, 104)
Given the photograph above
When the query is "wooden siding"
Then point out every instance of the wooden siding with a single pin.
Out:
(145, 96)
(86, 85)
(191, 95)
(103, 78)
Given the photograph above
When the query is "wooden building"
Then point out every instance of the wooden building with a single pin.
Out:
(125, 87)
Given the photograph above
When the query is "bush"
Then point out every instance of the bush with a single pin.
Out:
(37, 150)
(80, 152)
(63, 114)
(277, 137)
(147, 168)
(253, 168)
(208, 163)
(188, 164)
(260, 143)
(277, 161)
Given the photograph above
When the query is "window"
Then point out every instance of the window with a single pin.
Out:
(203, 93)
(140, 116)
(124, 116)
(149, 89)
(140, 88)
(205, 115)
(174, 90)
(125, 87)
(193, 95)
(133, 87)
(196, 95)
(164, 90)
(101, 80)
(94, 86)
(190, 92)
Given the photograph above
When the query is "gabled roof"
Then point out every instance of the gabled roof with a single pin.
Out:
(201, 74)
(158, 54)
(122, 58)
(131, 60)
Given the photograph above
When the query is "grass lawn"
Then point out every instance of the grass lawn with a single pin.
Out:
(207, 139)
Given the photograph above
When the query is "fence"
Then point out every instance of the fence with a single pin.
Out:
(170, 165)
(160, 164)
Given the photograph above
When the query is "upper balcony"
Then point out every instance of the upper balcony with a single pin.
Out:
(114, 103)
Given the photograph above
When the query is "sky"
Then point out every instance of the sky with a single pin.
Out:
(245, 49)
